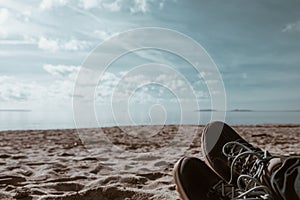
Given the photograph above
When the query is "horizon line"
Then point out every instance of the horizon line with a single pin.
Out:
(244, 110)
(15, 110)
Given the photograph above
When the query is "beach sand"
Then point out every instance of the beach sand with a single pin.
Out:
(112, 163)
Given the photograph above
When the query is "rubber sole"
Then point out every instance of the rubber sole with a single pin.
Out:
(207, 160)
(179, 187)
(225, 134)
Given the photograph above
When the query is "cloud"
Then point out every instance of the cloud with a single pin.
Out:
(11, 89)
(161, 5)
(73, 45)
(47, 44)
(69, 71)
(55, 45)
(146, 88)
(60, 90)
(113, 7)
(143, 6)
(49, 4)
(101, 34)
(139, 6)
(88, 4)
(292, 27)
(4, 15)
(136, 6)
(20, 93)
(105, 88)
(16, 23)
(56, 93)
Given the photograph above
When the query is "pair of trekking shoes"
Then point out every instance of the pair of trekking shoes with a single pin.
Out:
(234, 169)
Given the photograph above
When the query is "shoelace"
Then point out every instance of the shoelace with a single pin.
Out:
(251, 163)
(226, 190)
(229, 191)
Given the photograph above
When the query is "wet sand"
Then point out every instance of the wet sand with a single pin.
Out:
(112, 163)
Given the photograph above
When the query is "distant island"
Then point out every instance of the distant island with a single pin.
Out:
(245, 110)
(240, 110)
(234, 110)
(207, 110)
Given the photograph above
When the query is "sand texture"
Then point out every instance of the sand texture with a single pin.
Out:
(112, 163)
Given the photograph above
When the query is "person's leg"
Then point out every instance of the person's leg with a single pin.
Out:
(284, 177)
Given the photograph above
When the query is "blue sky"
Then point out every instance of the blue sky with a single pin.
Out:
(255, 45)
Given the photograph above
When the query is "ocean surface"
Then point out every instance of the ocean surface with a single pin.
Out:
(26, 119)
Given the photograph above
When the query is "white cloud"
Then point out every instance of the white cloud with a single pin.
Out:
(211, 81)
(4, 15)
(49, 4)
(136, 6)
(4, 19)
(11, 89)
(59, 91)
(146, 88)
(19, 7)
(161, 5)
(106, 86)
(16, 92)
(139, 6)
(88, 4)
(16, 23)
(202, 74)
(27, 14)
(47, 44)
(55, 45)
(113, 7)
(19, 92)
(101, 34)
(69, 71)
(74, 45)
(292, 27)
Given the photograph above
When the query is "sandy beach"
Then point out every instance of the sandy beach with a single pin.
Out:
(136, 163)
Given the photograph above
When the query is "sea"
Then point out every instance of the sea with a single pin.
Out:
(32, 120)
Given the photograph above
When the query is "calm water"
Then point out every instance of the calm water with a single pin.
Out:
(16, 120)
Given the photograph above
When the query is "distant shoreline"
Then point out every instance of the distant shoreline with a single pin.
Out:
(15, 110)
(245, 110)
(274, 125)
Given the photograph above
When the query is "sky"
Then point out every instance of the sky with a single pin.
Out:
(254, 44)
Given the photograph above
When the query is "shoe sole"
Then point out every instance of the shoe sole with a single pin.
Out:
(207, 160)
(224, 129)
(179, 187)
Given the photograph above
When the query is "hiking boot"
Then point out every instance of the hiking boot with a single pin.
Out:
(195, 180)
